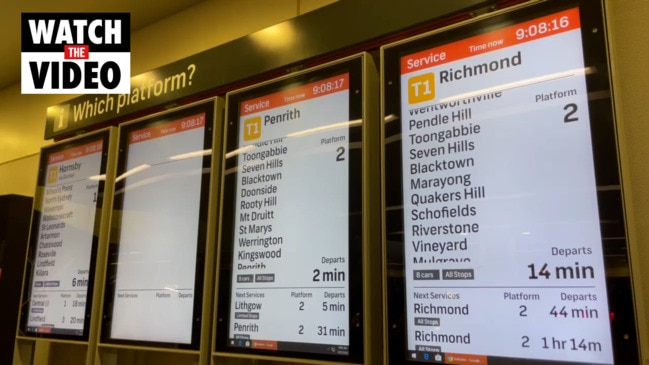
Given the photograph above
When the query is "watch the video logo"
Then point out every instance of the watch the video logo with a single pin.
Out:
(252, 128)
(75, 53)
(421, 88)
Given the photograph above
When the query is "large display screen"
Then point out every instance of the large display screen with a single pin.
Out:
(290, 279)
(157, 254)
(64, 238)
(500, 234)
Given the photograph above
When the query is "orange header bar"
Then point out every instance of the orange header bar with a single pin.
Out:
(295, 95)
(165, 129)
(506, 37)
(75, 152)
(264, 345)
(461, 359)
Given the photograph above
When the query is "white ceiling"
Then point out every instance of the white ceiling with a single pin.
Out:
(143, 13)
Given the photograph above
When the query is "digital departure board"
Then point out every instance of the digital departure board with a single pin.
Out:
(291, 245)
(64, 237)
(494, 174)
(160, 215)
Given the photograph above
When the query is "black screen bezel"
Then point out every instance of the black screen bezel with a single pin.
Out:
(201, 239)
(603, 136)
(354, 68)
(103, 136)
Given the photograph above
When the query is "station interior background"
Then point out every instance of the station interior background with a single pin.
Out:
(164, 31)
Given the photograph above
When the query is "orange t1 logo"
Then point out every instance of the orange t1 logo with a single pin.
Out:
(53, 175)
(421, 88)
(252, 128)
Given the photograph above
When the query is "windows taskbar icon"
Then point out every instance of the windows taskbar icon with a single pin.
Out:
(448, 358)
(240, 343)
(434, 357)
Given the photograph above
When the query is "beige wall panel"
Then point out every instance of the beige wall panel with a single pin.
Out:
(19, 176)
(629, 51)
(62, 353)
(202, 27)
(310, 5)
(22, 122)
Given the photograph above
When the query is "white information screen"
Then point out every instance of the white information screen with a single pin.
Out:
(290, 277)
(503, 252)
(156, 264)
(64, 243)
